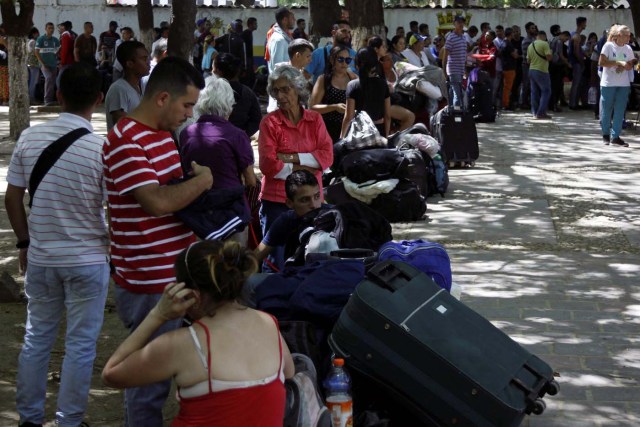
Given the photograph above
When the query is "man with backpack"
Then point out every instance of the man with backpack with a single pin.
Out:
(340, 34)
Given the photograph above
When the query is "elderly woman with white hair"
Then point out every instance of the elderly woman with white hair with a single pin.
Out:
(291, 138)
(213, 141)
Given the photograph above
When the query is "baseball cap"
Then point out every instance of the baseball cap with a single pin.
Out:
(113, 24)
(415, 38)
(459, 18)
(201, 21)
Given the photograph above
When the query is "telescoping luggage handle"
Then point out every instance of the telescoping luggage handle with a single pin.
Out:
(385, 274)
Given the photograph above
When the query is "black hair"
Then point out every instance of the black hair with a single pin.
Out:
(566, 34)
(328, 67)
(127, 51)
(375, 42)
(80, 85)
(340, 22)
(369, 68)
(542, 33)
(66, 25)
(508, 31)
(282, 13)
(484, 25)
(173, 75)
(413, 24)
(32, 32)
(422, 27)
(91, 23)
(297, 179)
(228, 65)
(300, 20)
(499, 27)
(529, 25)
(580, 20)
(217, 269)
(250, 20)
(394, 41)
(473, 28)
(299, 45)
(554, 30)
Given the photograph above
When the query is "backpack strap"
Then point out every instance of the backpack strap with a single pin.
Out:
(536, 51)
(50, 156)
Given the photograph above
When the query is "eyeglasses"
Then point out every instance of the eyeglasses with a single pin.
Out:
(346, 60)
(276, 90)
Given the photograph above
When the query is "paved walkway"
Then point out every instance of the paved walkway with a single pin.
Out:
(544, 236)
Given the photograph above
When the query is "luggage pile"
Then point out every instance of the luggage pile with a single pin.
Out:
(395, 179)
(416, 354)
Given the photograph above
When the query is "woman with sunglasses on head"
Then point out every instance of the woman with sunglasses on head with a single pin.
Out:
(230, 365)
(329, 96)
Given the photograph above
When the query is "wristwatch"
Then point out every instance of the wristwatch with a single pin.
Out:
(23, 244)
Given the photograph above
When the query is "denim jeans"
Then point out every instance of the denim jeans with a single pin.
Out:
(576, 84)
(269, 212)
(614, 102)
(540, 92)
(82, 291)
(455, 90)
(143, 405)
(50, 74)
(34, 76)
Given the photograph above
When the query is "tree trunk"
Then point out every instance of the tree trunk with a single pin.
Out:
(182, 27)
(18, 87)
(635, 15)
(367, 19)
(322, 15)
(145, 22)
(17, 27)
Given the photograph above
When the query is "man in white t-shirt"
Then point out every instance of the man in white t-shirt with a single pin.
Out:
(66, 242)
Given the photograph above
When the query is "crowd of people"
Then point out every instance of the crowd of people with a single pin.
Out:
(169, 120)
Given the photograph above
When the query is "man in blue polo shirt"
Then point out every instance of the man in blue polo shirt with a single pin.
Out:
(340, 34)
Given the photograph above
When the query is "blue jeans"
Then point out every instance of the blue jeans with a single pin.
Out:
(82, 291)
(34, 76)
(269, 212)
(143, 405)
(613, 103)
(540, 91)
(455, 90)
(576, 83)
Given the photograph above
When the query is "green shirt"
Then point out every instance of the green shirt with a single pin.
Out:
(48, 49)
(539, 60)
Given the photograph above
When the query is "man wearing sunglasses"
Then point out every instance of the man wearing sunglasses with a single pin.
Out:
(340, 34)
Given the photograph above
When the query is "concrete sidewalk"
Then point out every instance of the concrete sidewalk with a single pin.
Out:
(544, 236)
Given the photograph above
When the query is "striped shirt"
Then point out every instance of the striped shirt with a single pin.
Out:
(143, 247)
(456, 46)
(67, 226)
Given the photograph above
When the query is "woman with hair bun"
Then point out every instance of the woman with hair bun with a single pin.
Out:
(230, 365)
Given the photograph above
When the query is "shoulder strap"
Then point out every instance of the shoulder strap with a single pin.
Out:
(536, 51)
(206, 333)
(50, 156)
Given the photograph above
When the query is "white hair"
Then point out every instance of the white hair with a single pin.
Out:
(295, 78)
(216, 98)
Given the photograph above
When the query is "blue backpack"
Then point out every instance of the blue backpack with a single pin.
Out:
(429, 257)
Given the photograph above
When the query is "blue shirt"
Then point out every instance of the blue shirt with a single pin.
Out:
(48, 49)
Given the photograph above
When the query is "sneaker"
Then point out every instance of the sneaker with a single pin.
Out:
(606, 139)
(543, 116)
(618, 141)
(28, 424)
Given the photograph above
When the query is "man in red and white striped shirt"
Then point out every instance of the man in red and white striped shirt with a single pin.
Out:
(140, 160)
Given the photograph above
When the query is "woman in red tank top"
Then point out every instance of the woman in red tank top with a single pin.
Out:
(230, 365)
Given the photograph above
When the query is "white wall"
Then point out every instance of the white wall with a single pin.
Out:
(79, 11)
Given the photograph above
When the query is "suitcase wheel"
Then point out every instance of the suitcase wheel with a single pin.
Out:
(539, 406)
(553, 388)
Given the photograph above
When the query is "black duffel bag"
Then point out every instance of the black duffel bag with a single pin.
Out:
(403, 204)
(375, 164)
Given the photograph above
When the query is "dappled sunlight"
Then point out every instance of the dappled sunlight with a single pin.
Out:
(634, 312)
(626, 270)
(607, 293)
(490, 290)
(629, 358)
(588, 380)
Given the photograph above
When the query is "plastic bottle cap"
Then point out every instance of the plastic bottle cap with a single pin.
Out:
(338, 362)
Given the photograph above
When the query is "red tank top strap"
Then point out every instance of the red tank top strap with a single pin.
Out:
(279, 341)
(206, 333)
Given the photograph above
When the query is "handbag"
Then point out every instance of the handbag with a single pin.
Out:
(363, 133)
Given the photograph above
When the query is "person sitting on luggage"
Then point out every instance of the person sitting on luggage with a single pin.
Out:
(230, 365)
(303, 196)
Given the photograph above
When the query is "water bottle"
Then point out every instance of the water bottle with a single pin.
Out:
(338, 393)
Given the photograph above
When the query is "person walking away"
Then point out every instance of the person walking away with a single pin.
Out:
(141, 159)
(539, 55)
(617, 61)
(63, 246)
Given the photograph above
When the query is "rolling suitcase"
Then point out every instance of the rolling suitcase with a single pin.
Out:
(446, 364)
(456, 132)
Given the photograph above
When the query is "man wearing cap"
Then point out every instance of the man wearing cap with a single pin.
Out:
(107, 41)
(454, 57)
(415, 52)
(67, 40)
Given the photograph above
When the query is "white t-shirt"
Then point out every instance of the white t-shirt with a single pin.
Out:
(611, 77)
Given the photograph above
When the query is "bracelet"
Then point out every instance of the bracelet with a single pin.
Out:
(23, 244)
